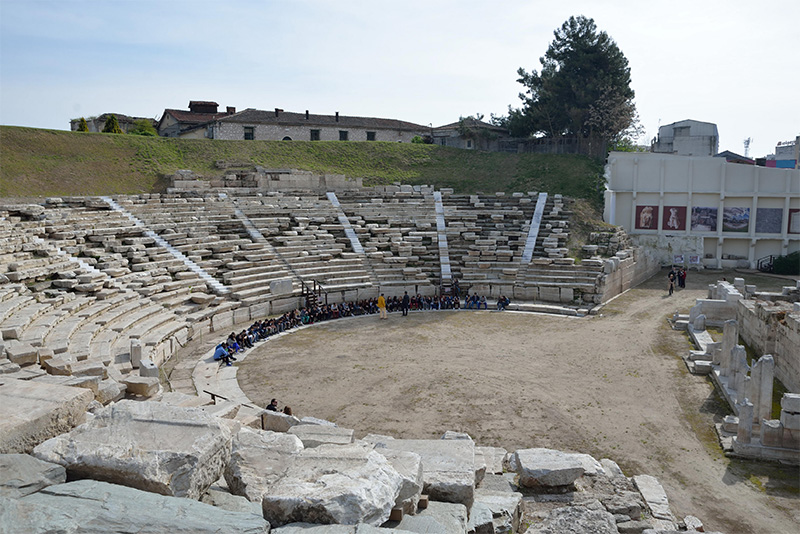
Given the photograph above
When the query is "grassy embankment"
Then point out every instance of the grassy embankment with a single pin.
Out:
(38, 163)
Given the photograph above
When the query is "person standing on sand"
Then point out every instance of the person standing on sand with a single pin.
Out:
(405, 304)
(382, 306)
(671, 286)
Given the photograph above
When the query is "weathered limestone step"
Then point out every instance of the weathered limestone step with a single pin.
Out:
(207, 278)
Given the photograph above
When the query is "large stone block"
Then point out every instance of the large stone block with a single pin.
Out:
(35, 412)
(145, 386)
(575, 520)
(504, 507)
(448, 466)
(281, 287)
(259, 458)
(22, 474)
(439, 518)
(147, 445)
(316, 435)
(345, 484)
(790, 402)
(93, 507)
(409, 466)
(491, 457)
(546, 467)
(22, 353)
(277, 421)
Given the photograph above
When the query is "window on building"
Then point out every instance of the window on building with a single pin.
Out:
(286, 138)
(370, 136)
(342, 135)
(469, 143)
(315, 135)
(444, 142)
(249, 133)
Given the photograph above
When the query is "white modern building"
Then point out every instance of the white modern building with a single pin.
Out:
(687, 138)
(704, 211)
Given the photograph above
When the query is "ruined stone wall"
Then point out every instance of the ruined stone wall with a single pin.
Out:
(773, 328)
(627, 269)
(264, 180)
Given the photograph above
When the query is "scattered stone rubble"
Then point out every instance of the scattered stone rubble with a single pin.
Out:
(158, 467)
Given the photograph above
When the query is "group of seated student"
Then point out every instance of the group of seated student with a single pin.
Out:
(475, 302)
(418, 302)
(263, 329)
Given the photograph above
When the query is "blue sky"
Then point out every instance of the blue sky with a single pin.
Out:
(728, 62)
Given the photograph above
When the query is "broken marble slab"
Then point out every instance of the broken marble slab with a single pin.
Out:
(35, 412)
(316, 435)
(22, 474)
(448, 466)
(146, 445)
(547, 467)
(259, 458)
(345, 484)
(94, 507)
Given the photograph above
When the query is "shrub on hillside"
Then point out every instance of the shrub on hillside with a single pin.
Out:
(143, 127)
(83, 126)
(112, 126)
(789, 264)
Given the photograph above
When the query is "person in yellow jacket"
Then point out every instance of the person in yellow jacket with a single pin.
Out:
(382, 306)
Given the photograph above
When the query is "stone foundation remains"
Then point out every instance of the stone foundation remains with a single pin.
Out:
(770, 324)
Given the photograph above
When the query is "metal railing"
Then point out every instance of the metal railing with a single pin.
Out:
(765, 264)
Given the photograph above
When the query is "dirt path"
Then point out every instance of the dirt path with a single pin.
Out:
(612, 385)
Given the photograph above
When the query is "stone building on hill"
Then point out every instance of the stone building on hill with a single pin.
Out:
(470, 134)
(204, 121)
(190, 124)
(279, 125)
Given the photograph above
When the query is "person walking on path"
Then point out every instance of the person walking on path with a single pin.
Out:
(671, 286)
(405, 304)
(382, 307)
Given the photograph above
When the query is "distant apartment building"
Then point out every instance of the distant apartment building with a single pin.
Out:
(786, 156)
(687, 138)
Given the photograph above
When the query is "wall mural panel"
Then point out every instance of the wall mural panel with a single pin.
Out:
(646, 217)
(674, 218)
(794, 221)
(735, 219)
(704, 219)
(769, 220)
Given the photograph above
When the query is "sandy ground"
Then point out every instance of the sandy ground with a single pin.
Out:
(612, 385)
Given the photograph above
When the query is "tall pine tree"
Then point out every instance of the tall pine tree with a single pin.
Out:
(583, 89)
(82, 125)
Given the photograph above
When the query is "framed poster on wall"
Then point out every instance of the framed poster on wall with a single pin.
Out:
(735, 219)
(769, 220)
(674, 218)
(794, 221)
(694, 259)
(704, 219)
(646, 217)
